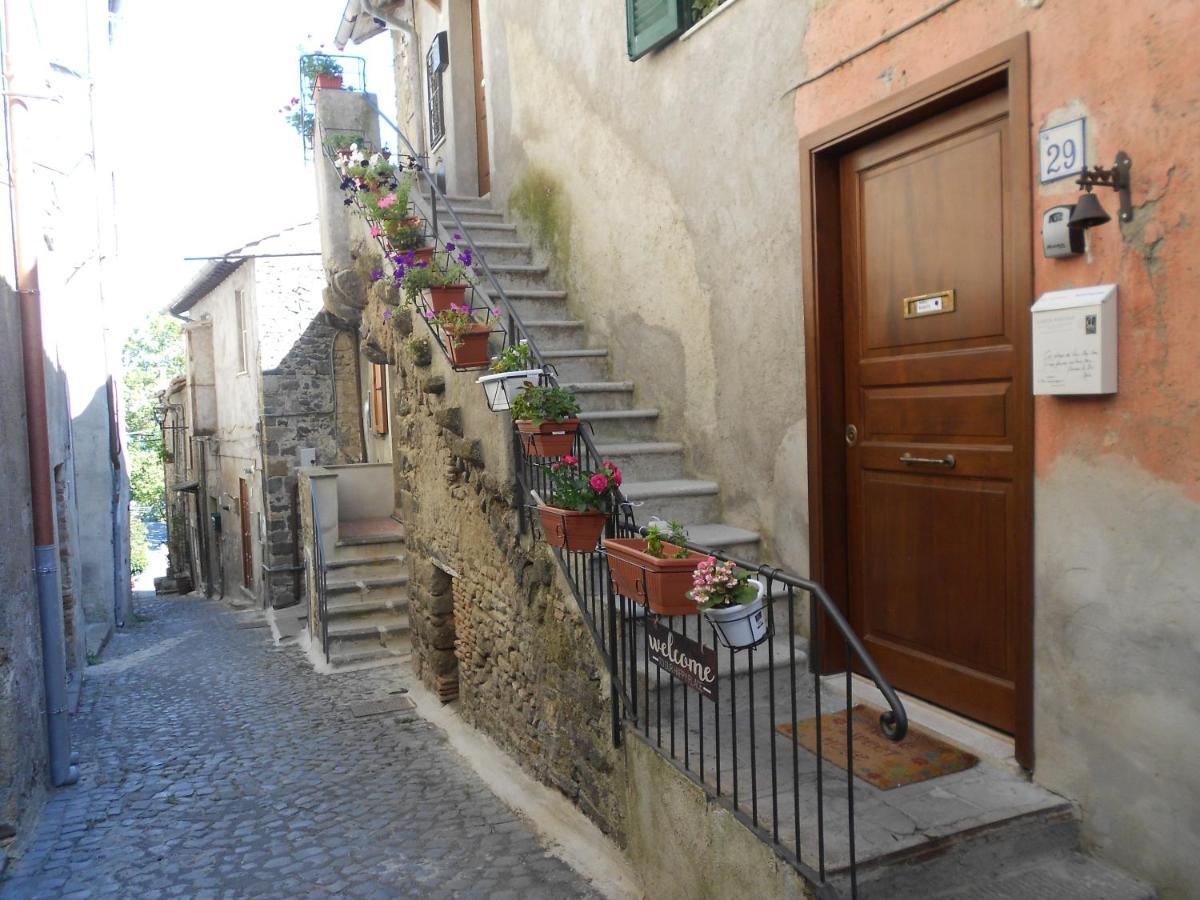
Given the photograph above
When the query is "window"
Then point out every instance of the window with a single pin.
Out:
(379, 399)
(239, 307)
(652, 23)
(437, 107)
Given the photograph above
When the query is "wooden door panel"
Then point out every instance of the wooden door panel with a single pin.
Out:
(934, 487)
(935, 555)
(928, 411)
(935, 225)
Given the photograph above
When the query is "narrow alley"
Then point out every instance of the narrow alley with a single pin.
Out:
(214, 764)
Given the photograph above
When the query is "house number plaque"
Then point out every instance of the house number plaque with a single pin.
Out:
(689, 661)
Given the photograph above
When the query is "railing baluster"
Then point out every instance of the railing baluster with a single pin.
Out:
(687, 761)
(791, 620)
(753, 739)
(850, 774)
(815, 629)
(771, 715)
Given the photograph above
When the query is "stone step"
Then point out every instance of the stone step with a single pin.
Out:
(511, 275)
(469, 215)
(358, 552)
(370, 540)
(352, 568)
(375, 627)
(348, 608)
(543, 305)
(646, 461)
(479, 229)
(602, 395)
(582, 364)
(622, 425)
(465, 201)
(504, 252)
(685, 499)
(551, 334)
(736, 542)
(351, 656)
(337, 585)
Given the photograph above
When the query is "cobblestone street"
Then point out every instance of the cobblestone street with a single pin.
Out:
(217, 765)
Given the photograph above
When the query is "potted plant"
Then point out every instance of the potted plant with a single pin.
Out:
(466, 336)
(732, 601)
(508, 372)
(655, 570)
(322, 71)
(547, 418)
(580, 504)
(445, 277)
(299, 118)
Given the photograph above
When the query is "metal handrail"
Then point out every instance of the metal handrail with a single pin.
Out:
(517, 330)
(894, 720)
(321, 573)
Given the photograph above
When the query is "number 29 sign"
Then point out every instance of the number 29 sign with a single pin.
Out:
(1061, 151)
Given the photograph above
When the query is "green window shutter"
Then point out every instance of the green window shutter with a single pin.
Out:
(651, 23)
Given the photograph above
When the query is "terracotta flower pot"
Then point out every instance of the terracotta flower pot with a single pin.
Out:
(440, 298)
(550, 439)
(662, 584)
(424, 255)
(471, 351)
(571, 530)
(327, 83)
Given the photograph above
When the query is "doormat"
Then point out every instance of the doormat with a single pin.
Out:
(877, 760)
(362, 708)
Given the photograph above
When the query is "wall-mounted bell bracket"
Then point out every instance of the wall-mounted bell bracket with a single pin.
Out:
(1117, 178)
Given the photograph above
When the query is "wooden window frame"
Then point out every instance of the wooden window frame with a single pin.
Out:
(379, 399)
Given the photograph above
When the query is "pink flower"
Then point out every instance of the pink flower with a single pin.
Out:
(570, 460)
(389, 200)
(496, 311)
(375, 231)
(429, 314)
(616, 476)
(599, 483)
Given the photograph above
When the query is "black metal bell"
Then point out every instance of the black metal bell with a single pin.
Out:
(1088, 212)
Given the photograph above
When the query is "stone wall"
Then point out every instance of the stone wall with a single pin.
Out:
(23, 753)
(492, 617)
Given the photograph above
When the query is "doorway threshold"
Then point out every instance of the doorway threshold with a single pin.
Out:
(987, 743)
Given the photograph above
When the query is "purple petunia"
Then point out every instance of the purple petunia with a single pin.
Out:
(376, 275)
(387, 314)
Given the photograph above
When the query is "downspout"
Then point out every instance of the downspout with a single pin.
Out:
(414, 61)
(54, 660)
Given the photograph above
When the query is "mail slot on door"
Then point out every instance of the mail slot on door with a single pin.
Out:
(1075, 341)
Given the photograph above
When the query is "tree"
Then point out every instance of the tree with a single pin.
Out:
(151, 357)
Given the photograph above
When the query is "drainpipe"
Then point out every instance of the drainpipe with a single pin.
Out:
(414, 60)
(45, 554)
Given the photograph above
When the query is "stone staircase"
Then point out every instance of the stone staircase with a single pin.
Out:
(367, 591)
(624, 426)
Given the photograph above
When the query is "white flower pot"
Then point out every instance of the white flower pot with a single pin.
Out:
(741, 626)
(501, 388)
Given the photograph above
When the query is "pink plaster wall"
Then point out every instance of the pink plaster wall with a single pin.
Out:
(1135, 70)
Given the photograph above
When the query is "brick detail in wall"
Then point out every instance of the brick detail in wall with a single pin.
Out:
(504, 629)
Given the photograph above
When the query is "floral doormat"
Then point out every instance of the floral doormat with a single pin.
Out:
(877, 760)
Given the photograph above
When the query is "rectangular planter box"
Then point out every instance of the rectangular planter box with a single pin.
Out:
(662, 584)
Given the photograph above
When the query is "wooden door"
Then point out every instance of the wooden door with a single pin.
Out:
(938, 464)
(483, 158)
(247, 547)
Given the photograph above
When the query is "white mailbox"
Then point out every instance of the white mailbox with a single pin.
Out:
(1075, 341)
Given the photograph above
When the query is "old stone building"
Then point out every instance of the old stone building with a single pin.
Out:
(260, 400)
(64, 554)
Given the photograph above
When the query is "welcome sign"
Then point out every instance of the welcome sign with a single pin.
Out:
(691, 662)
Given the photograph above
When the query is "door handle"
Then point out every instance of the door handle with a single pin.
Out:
(946, 461)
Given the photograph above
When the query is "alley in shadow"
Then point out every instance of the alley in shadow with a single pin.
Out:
(215, 764)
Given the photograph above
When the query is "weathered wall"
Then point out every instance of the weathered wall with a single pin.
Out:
(1117, 493)
(23, 754)
(665, 193)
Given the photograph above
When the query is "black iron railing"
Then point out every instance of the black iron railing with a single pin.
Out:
(318, 596)
(730, 742)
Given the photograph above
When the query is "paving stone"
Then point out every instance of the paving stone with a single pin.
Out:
(219, 769)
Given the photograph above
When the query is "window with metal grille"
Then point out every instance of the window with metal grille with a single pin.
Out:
(437, 113)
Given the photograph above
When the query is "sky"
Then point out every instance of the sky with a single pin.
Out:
(203, 160)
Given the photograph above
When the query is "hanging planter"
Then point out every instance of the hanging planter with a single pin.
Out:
(579, 503)
(423, 255)
(742, 626)
(572, 530)
(443, 297)
(327, 83)
(732, 602)
(469, 349)
(662, 583)
(549, 439)
(501, 388)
